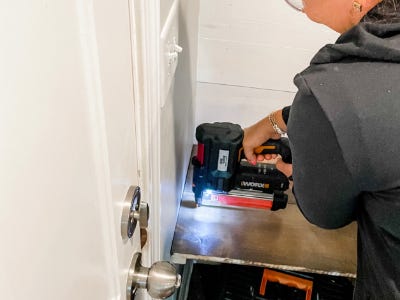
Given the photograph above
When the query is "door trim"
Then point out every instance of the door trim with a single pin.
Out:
(145, 33)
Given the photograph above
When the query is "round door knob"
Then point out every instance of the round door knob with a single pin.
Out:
(161, 279)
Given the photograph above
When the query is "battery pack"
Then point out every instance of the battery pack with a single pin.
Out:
(217, 156)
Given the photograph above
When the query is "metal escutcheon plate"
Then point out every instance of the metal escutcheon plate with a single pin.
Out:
(130, 207)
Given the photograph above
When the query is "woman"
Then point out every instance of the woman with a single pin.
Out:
(344, 130)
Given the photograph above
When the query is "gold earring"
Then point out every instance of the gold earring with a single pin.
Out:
(357, 6)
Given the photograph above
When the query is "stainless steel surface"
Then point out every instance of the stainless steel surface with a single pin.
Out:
(161, 279)
(134, 210)
(281, 239)
(252, 194)
(143, 214)
(131, 286)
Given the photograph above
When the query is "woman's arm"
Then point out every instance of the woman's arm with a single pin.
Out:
(323, 186)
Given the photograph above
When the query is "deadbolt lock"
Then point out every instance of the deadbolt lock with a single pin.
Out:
(134, 210)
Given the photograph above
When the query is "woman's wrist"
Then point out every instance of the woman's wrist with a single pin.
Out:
(276, 122)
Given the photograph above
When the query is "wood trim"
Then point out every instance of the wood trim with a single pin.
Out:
(145, 28)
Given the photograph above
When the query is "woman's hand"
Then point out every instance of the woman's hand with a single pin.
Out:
(258, 134)
(255, 136)
(284, 167)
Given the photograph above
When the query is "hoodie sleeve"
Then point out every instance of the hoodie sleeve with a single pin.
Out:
(323, 186)
(285, 114)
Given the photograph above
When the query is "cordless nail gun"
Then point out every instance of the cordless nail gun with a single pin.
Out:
(222, 177)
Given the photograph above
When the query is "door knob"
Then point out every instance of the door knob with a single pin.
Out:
(134, 210)
(161, 279)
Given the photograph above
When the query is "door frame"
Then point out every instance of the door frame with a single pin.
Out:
(145, 39)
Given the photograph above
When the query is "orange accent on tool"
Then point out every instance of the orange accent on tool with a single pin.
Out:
(257, 150)
(260, 149)
(286, 279)
(243, 202)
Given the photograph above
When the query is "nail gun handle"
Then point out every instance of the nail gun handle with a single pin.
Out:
(280, 146)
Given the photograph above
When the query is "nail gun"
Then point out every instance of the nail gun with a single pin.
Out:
(222, 177)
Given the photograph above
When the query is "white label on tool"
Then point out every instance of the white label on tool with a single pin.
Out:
(223, 160)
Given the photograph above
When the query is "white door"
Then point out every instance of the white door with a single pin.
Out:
(68, 149)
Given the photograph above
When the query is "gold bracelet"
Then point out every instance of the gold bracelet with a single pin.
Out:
(272, 120)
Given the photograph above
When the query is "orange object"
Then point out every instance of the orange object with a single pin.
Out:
(286, 279)
(259, 150)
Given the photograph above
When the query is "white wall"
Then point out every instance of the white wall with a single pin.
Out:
(165, 6)
(177, 119)
(237, 65)
(249, 52)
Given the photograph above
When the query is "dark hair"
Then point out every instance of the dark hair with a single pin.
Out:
(387, 11)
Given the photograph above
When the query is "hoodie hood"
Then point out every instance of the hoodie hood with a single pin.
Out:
(366, 41)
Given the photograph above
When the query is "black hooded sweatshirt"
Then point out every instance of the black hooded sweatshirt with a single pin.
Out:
(344, 130)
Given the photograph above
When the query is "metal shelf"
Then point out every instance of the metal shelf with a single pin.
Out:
(277, 239)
